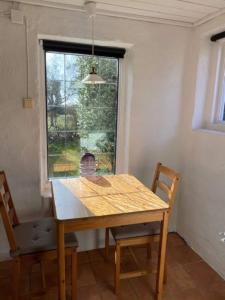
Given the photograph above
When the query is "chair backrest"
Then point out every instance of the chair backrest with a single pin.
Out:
(170, 188)
(7, 210)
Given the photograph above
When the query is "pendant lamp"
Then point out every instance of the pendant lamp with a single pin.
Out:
(92, 77)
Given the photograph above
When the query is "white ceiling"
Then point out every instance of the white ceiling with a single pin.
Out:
(179, 12)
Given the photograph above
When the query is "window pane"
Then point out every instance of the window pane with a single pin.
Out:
(54, 63)
(223, 101)
(108, 69)
(63, 154)
(84, 65)
(55, 92)
(80, 118)
(56, 118)
(71, 67)
(71, 118)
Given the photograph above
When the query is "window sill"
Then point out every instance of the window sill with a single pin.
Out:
(46, 191)
(213, 130)
(217, 126)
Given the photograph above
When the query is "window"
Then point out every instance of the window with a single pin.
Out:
(218, 70)
(220, 117)
(80, 118)
(214, 113)
(209, 112)
(219, 84)
(222, 102)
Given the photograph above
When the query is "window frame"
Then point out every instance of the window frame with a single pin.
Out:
(215, 121)
(220, 101)
(123, 120)
(61, 52)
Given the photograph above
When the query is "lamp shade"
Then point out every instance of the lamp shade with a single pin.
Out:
(93, 78)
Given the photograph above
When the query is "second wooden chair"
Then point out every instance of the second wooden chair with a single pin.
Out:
(142, 234)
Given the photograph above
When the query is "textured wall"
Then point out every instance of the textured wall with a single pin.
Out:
(201, 207)
(154, 72)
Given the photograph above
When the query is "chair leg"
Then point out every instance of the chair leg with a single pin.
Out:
(74, 273)
(16, 278)
(42, 265)
(149, 251)
(29, 282)
(117, 268)
(107, 243)
(165, 273)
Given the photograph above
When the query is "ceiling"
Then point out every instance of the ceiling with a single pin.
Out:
(178, 12)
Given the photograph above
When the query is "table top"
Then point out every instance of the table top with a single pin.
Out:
(95, 196)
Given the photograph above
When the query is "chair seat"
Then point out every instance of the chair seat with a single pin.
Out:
(135, 230)
(38, 236)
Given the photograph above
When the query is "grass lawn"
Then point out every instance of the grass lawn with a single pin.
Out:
(64, 159)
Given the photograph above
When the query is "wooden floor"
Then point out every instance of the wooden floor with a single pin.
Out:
(189, 277)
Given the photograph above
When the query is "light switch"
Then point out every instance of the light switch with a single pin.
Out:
(27, 103)
(17, 16)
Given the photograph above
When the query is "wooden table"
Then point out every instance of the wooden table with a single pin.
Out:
(106, 201)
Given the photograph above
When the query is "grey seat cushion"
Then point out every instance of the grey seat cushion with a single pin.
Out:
(37, 236)
(136, 230)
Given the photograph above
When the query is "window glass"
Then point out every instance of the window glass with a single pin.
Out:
(223, 100)
(80, 118)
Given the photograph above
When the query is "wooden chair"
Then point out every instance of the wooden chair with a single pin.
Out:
(142, 234)
(32, 242)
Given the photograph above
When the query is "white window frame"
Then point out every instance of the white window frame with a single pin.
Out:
(214, 111)
(123, 118)
(219, 84)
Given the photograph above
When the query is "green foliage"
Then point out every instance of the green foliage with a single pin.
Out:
(64, 155)
(97, 103)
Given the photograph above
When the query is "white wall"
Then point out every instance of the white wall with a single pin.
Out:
(201, 207)
(154, 76)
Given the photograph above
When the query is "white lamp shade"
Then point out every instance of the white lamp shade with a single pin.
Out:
(93, 78)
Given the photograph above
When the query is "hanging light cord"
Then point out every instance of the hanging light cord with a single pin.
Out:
(93, 34)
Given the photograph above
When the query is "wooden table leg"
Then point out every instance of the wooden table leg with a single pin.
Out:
(162, 257)
(61, 262)
(117, 268)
